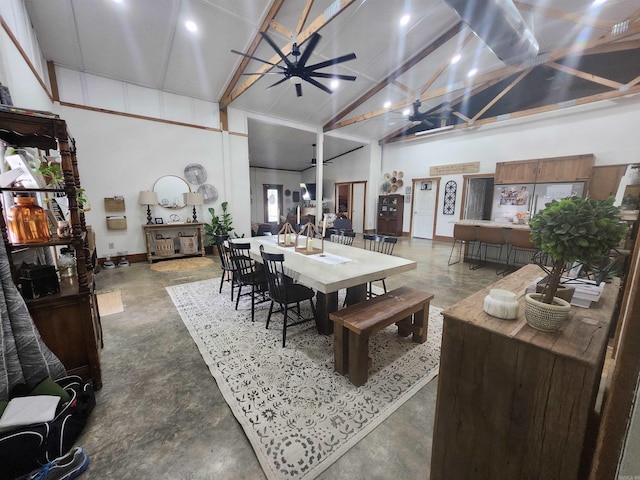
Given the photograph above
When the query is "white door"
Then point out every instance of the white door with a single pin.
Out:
(474, 203)
(424, 211)
(357, 208)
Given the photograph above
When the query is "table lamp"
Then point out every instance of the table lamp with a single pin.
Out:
(194, 198)
(148, 198)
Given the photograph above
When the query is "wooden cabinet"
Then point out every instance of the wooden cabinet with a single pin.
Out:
(573, 168)
(516, 172)
(174, 232)
(576, 168)
(68, 321)
(605, 180)
(390, 214)
(515, 402)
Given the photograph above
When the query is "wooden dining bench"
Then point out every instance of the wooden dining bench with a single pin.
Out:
(406, 307)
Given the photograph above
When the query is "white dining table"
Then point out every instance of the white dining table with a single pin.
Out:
(336, 267)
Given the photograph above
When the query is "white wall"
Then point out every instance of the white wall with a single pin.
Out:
(606, 129)
(26, 91)
(259, 177)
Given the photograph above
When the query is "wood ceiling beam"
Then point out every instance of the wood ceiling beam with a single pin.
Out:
(446, 64)
(462, 116)
(304, 16)
(317, 24)
(584, 75)
(634, 82)
(565, 16)
(501, 94)
(534, 111)
(271, 14)
(445, 37)
(500, 74)
(634, 17)
(614, 47)
(404, 88)
(281, 28)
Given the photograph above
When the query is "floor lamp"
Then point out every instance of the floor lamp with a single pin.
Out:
(148, 198)
(194, 199)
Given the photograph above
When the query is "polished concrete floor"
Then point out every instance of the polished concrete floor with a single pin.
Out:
(161, 415)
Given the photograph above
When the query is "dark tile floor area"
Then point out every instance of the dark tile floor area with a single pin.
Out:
(161, 415)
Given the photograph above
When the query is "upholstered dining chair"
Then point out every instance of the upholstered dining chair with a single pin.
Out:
(464, 235)
(248, 275)
(285, 292)
(380, 244)
(520, 250)
(228, 269)
(344, 238)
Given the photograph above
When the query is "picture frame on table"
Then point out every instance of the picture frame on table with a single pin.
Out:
(158, 220)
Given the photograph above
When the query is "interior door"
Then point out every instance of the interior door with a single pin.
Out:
(424, 209)
(272, 203)
(357, 207)
(475, 198)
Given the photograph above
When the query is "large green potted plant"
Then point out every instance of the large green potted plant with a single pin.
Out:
(220, 224)
(570, 230)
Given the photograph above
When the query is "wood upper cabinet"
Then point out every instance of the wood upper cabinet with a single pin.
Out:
(573, 168)
(605, 181)
(516, 172)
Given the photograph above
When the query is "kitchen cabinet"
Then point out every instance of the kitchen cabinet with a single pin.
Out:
(573, 168)
(515, 402)
(390, 214)
(516, 172)
(605, 180)
(68, 321)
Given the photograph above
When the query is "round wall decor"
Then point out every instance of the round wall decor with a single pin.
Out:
(287, 193)
(195, 174)
(209, 193)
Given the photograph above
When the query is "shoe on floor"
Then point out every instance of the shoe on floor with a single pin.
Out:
(66, 467)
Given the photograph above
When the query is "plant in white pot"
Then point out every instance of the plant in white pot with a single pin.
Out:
(569, 230)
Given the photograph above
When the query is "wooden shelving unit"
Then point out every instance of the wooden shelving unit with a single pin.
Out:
(390, 214)
(69, 321)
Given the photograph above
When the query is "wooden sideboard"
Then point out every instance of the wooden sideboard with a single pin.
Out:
(515, 402)
(172, 230)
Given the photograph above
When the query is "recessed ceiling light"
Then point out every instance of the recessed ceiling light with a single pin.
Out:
(597, 3)
(405, 20)
(472, 72)
(387, 104)
(334, 84)
(191, 26)
(406, 112)
(455, 59)
(118, 1)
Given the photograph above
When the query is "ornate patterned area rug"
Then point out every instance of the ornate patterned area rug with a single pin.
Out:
(299, 415)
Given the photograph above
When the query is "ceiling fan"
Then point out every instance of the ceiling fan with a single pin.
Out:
(434, 117)
(314, 160)
(297, 69)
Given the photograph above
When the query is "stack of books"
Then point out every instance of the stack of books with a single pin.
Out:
(586, 291)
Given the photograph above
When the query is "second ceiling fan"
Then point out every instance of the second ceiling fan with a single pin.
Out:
(297, 69)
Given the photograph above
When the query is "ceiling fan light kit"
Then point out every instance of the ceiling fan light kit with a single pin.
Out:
(297, 70)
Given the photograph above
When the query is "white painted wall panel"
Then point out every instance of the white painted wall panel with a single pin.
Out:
(142, 101)
(70, 85)
(104, 93)
(204, 113)
(175, 107)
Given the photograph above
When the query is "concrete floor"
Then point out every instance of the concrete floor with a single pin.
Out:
(160, 413)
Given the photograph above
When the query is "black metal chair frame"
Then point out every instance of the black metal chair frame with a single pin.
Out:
(247, 274)
(381, 244)
(284, 291)
(463, 240)
(227, 266)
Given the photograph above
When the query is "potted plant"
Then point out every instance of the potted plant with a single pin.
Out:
(570, 230)
(220, 224)
(51, 171)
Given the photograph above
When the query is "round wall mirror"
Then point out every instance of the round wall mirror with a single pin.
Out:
(170, 190)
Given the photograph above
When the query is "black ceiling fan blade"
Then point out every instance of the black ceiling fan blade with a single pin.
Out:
(278, 82)
(258, 59)
(350, 78)
(276, 48)
(316, 83)
(298, 90)
(335, 61)
(315, 38)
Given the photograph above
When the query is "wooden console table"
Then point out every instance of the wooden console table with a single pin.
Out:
(174, 229)
(515, 402)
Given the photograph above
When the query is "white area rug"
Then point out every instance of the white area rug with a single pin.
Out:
(299, 415)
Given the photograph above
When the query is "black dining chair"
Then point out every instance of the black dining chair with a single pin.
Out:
(380, 244)
(285, 292)
(248, 274)
(228, 269)
(344, 238)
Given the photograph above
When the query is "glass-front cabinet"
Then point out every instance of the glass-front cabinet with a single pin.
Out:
(390, 214)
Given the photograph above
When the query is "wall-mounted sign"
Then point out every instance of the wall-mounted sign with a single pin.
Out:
(470, 167)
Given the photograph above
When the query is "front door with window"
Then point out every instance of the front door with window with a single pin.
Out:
(272, 203)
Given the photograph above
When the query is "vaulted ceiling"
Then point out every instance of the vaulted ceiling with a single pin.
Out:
(587, 51)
